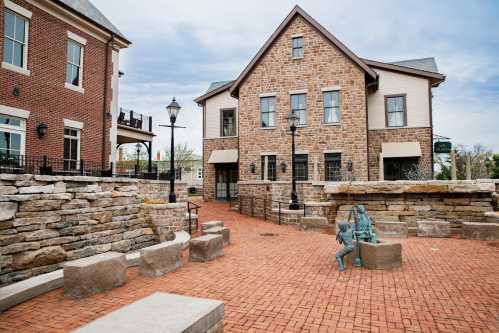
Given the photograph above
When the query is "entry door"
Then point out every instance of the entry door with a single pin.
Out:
(399, 168)
(225, 181)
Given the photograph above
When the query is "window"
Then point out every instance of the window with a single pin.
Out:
(15, 40)
(71, 148)
(199, 173)
(12, 136)
(399, 168)
(270, 162)
(267, 109)
(332, 167)
(228, 119)
(297, 47)
(301, 167)
(299, 107)
(74, 66)
(331, 102)
(396, 112)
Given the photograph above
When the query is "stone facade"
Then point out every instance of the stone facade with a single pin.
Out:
(209, 145)
(323, 65)
(48, 220)
(421, 135)
(403, 201)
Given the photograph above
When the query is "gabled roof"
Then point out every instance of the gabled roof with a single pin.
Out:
(298, 11)
(87, 10)
(424, 64)
(214, 89)
(425, 67)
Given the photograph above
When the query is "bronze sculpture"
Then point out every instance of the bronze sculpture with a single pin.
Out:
(345, 237)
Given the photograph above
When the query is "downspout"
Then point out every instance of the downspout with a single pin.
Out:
(375, 83)
(105, 106)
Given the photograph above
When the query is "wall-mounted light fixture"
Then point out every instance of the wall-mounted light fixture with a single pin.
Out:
(16, 92)
(283, 167)
(350, 166)
(253, 167)
(41, 129)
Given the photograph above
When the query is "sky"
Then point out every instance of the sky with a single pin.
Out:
(179, 47)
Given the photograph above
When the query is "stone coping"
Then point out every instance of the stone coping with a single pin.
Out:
(319, 203)
(161, 312)
(164, 206)
(87, 179)
(399, 187)
(25, 290)
(289, 211)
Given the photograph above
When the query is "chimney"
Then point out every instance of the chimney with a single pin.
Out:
(120, 154)
(158, 156)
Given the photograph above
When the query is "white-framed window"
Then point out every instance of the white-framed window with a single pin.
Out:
(299, 107)
(331, 103)
(71, 148)
(199, 173)
(297, 51)
(15, 42)
(267, 111)
(74, 65)
(12, 136)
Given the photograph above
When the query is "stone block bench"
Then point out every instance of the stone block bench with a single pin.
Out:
(160, 259)
(91, 275)
(206, 248)
(391, 229)
(314, 222)
(224, 231)
(381, 255)
(433, 228)
(211, 224)
(481, 231)
(162, 312)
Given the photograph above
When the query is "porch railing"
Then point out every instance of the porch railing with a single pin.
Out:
(135, 120)
(45, 165)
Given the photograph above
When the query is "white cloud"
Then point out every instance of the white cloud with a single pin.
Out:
(179, 46)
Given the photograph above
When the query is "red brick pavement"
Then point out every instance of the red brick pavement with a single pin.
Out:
(290, 283)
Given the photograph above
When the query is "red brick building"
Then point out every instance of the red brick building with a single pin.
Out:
(59, 82)
(359, 119)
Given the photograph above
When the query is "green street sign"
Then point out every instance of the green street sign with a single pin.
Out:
(442, 147)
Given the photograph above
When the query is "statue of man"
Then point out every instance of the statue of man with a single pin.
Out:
(345, 237)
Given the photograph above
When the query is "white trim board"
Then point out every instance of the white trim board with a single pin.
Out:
(14, 112)
(18, 9)
(73, 124)
(77, 38)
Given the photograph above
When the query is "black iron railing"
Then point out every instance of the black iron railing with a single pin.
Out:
(191, 206)
(45, 165)
(263, 205)
(135, 120)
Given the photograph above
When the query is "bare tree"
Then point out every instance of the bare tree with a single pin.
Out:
(183, 155)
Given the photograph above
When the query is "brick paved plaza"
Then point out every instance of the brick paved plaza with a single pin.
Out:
(290, 283)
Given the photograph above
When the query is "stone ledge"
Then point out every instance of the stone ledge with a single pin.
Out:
(161, 312)
(20, 292)
(481, 231)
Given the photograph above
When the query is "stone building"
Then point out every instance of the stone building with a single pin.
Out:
(59, 80)
(359, 119)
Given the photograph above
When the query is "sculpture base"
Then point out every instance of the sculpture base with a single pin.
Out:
(380, 255)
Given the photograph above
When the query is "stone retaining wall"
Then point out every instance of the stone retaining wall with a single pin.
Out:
(402, 201)
(47, 220)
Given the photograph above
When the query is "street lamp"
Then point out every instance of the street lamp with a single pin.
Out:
(293, 121)
(138, 146)
(173, 110)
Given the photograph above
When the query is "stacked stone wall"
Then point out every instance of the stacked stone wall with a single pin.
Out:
(47, 220)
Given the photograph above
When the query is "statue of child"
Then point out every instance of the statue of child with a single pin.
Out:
(345, 237)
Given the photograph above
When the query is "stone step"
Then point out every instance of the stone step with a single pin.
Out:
(492, 215)
(194, 216)
(224, 231)
(211, 224)
(315, 222)
(206, 248)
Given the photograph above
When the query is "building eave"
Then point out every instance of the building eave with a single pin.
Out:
(202, 99)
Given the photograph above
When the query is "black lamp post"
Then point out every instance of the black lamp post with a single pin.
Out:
(173, 110)
(293, 121)
(138, 146)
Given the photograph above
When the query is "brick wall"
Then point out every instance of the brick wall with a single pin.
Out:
(421, 135)
(43, 92)
(210, 145)
(323, 65)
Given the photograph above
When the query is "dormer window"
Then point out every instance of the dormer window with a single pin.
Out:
(297, 47)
